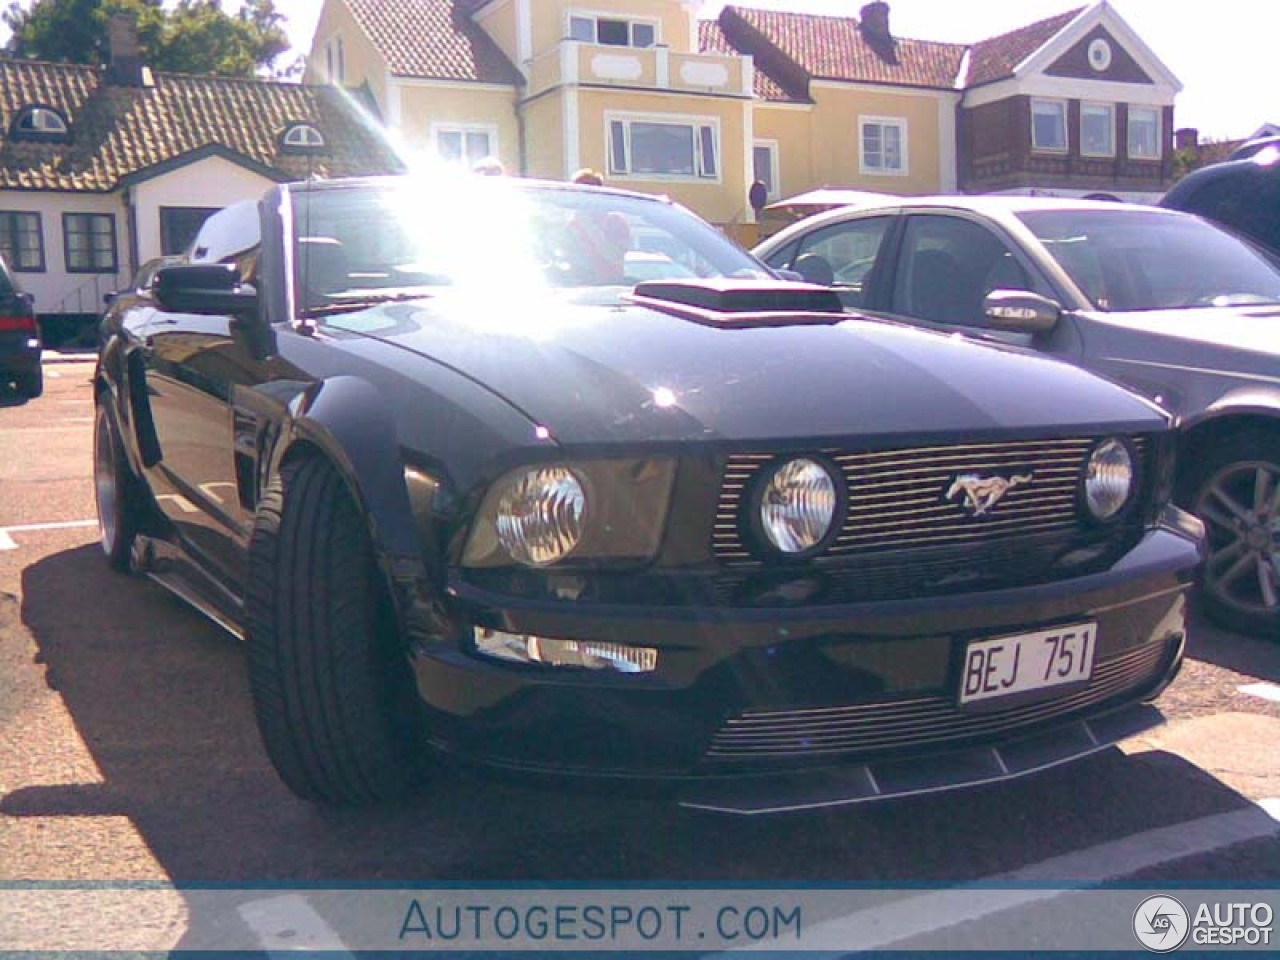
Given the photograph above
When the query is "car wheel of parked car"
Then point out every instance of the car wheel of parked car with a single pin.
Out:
(1235, 490)
(332, 688)
(32, 384)
(115, 490)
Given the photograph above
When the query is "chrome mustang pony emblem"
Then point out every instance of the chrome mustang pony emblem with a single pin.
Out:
(981, 494)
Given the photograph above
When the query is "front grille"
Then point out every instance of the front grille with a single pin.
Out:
(927, 721)
(897, 498)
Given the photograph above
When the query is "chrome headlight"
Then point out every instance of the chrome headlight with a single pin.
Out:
(587, 512)
(798, 506)
(1108, 479)
(539, 515)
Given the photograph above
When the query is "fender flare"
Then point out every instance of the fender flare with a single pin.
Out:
(1250, 401)
(349, 422)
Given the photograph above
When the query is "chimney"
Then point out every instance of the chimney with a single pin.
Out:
(1186, 138)
(875, 21)
(124, 55)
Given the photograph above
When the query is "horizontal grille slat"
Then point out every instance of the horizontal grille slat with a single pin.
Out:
(898, 498)
(917, 721)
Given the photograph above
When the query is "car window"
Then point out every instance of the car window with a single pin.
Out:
(842, 255)
(1138, 259)
(374, 239)
(946, 267)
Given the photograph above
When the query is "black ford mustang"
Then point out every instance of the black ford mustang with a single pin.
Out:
(463, 485)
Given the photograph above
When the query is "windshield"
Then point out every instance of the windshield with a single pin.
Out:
(376, 241)
(1134, 259)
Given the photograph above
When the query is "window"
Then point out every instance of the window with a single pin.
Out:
(303, 137)
(840, 255)
(612, 32)
(764, 157)
(1049, 125)
(465, 146)
(1144, 133)
(662, 148)
(1097, 130)
(22, 241)
(179, 225)
(946, 267)
(89, 242)
(884, 145)
(335, 61)
(40, 122)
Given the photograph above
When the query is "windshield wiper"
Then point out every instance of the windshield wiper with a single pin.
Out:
(363, 301)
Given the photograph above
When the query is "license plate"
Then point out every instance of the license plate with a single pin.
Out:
(1003, 666)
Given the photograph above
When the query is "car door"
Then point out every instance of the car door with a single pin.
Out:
(843, 255)
(945, 266)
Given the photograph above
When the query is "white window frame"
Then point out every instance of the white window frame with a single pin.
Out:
(304, 136)
(696, 123)
(335, 61)
(1110, 108)
(1066, 126)
(775, 165)
(39, 119)
(595, 16)
(903, 128)
(488, 129)
(1159, 115)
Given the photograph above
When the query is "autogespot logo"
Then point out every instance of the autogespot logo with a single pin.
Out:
(1161, 924)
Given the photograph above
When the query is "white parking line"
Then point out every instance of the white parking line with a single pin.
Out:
(289, 923)
(930, 913)
(7, 542)
(182, 503)
(1267, 691)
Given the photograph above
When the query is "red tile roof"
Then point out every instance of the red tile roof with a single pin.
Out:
(117, 133)
(433, 39)
(834, 48)
(768, 86)
(995, 59)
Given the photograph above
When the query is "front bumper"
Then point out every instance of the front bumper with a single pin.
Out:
(882, 676)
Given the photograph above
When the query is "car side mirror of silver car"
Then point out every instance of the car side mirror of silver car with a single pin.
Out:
(1020, 311)
(208, 289)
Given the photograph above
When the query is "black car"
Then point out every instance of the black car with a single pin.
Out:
(20, 343)
(1241, 194)
(465, 487)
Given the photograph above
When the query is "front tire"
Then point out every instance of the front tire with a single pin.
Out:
(1235, 490)
(334, 697)
(115, 490)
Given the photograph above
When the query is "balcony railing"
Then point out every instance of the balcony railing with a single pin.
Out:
(572, 62)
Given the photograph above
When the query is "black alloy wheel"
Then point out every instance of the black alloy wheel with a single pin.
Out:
(115, 489)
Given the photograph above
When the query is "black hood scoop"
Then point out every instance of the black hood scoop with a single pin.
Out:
(733, 302)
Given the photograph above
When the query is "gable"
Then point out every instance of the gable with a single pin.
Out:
(1099, 55)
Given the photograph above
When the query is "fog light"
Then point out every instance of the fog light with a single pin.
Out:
(555, 652)
(33, 344)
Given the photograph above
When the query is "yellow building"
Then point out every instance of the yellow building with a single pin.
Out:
(661, 101)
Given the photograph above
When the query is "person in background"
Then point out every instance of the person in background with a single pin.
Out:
(600, 240)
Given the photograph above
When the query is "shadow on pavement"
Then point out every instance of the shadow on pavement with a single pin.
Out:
(1252, 656)
(160, 698)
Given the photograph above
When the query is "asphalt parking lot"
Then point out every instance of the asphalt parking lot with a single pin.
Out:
(128, 752)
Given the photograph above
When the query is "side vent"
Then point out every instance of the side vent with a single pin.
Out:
(734, 302)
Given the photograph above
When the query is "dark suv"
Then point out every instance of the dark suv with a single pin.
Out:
(1242, 194)
(20, 343)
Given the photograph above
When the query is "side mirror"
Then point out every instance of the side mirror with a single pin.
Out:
(1020, 311)
(209, 289)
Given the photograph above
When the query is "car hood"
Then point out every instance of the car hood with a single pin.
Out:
(1255, 329)
(622, 373)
